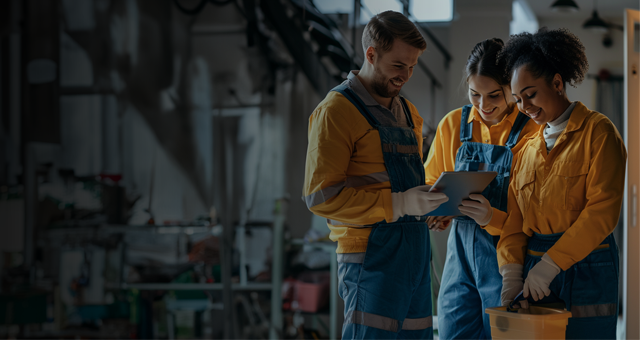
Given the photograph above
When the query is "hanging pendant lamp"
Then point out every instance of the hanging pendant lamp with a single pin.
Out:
(565, 6)
(595, 23)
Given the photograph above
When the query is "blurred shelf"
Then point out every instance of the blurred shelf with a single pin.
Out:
(191, 286)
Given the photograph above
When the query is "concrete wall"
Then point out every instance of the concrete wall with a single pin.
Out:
(599, 57)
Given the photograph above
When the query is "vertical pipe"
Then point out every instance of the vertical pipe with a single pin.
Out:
(15, 104)
(354, 30)
(30, 200)
(226, 242)
(275, 332)
(405, 7)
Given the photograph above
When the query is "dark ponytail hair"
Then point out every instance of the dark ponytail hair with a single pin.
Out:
(483, 60)
(546, 53)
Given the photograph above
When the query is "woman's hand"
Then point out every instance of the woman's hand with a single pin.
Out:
(478, 208)
(438, 223)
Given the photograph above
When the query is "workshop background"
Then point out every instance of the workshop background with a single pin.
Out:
(152, 154)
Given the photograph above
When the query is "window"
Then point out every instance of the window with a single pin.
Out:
(334, 6)
(431, 10)
(523, 19)
(421, 10)
(373, 7)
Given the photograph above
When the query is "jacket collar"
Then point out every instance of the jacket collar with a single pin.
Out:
(576, 120)
(356, 85)
(578, 116)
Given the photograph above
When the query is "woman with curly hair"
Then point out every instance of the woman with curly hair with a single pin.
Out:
(483, 135)
(565, 199)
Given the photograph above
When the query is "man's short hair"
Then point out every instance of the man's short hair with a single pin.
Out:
(387, 26)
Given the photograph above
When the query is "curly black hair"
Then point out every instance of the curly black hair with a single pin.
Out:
(546, 53)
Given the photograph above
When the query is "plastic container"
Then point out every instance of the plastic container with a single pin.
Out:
(532, 323)
(311, 292)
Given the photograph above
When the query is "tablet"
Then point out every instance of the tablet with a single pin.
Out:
(458, 185)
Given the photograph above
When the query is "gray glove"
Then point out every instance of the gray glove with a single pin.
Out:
(416, 201)
(512, 283)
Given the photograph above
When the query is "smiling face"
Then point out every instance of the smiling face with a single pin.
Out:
(544, 102)
(488, 97)
(392, 69)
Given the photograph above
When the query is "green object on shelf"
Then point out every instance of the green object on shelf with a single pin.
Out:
(216, 272)
(187, 277)
(134, 306)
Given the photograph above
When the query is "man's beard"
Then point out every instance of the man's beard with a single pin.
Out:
(381, 87)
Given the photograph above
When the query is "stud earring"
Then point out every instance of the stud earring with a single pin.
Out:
(559, 93)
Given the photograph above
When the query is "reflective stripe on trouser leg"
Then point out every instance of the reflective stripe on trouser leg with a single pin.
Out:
(389, 294)
(385, 323)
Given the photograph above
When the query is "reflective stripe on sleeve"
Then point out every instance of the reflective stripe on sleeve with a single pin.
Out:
(338, 223)
(329, 192)
(323, 195)
(358, 181)
(351, 258)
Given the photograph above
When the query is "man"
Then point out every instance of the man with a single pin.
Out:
(364, 174)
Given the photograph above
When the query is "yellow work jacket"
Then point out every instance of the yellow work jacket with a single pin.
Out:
(444, 148)
(344, 172)
(575, 189)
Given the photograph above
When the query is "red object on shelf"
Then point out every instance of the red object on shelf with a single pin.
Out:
(115, 178)
(311, 291)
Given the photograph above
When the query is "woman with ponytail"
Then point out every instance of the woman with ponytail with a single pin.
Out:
(483, 135)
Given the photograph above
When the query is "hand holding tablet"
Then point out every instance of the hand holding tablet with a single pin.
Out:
(458, 186)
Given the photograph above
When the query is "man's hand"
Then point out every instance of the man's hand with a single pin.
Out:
(540, 277)
(439, 223)
(416, 201)
(478, 208)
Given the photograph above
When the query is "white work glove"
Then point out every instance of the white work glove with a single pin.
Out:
(477, 208)
(540, 277)
(511, 283)
(416, 201)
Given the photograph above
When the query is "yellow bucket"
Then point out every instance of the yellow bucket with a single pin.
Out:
(532, 323)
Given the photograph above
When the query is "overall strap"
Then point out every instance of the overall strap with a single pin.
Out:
(466, 129)
(357, 102)
(518, 125)
(407, 113)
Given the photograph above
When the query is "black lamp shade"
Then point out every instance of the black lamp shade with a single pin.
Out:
(595, 23)
(565, 6)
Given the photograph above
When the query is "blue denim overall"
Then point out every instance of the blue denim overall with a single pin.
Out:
(471, 281)
(387, 289)
(588, 289)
